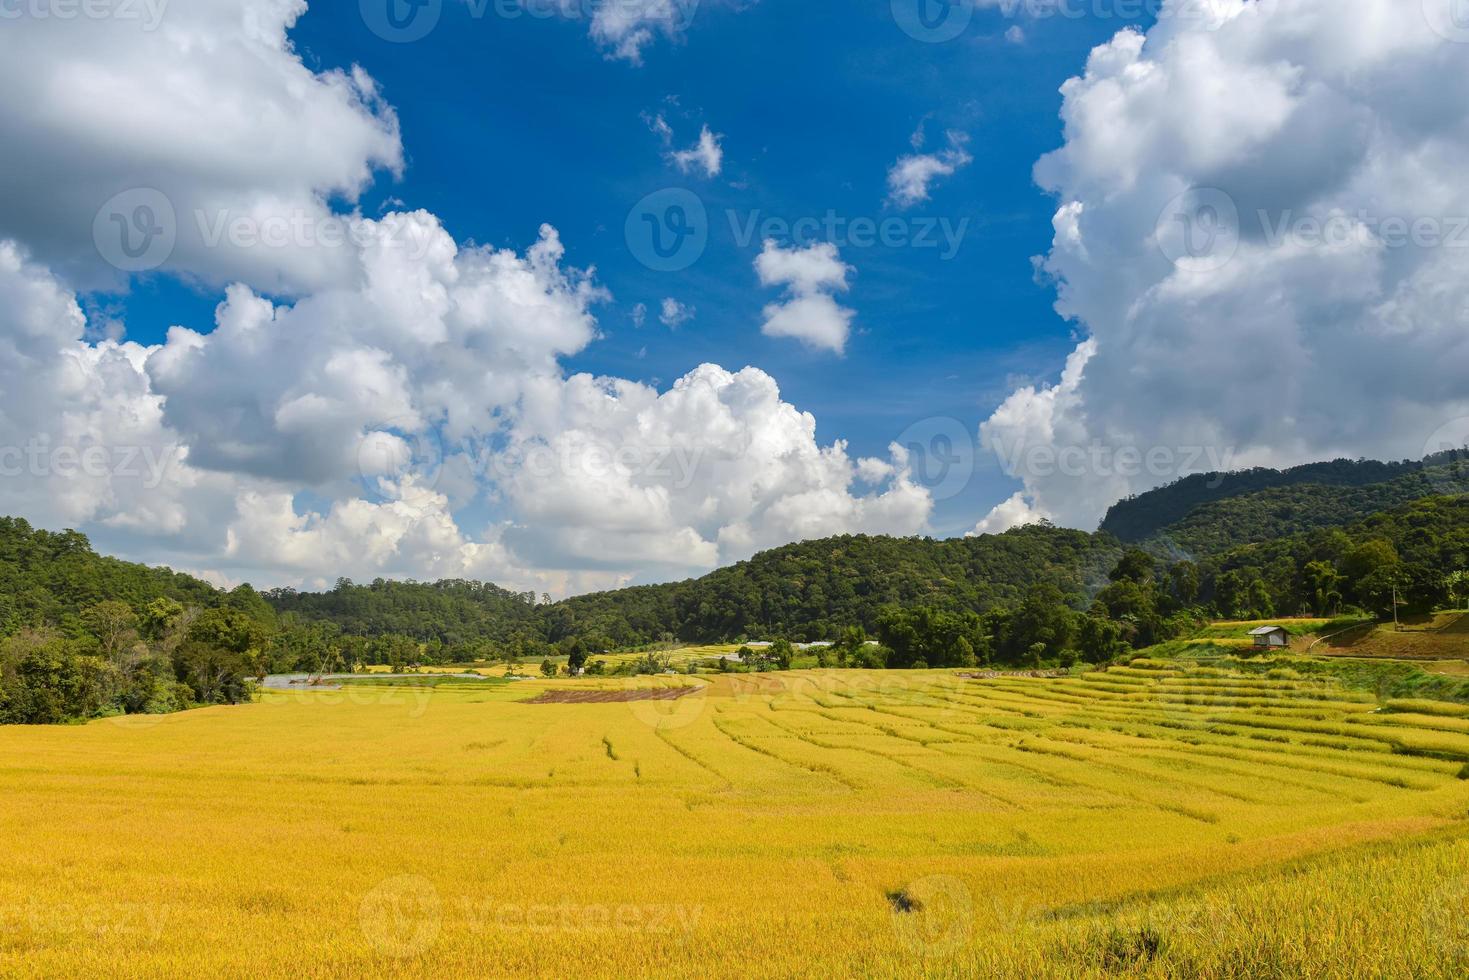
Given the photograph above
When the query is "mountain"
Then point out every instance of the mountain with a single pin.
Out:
(51, 578)
(454, 612)
(1210, 513)
(813, 589)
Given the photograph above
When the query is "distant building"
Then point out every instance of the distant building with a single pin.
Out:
(1271, 637)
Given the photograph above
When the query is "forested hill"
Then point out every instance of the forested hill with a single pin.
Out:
(53, 578)
(1213, 512)
(454, 612)
(813, 589)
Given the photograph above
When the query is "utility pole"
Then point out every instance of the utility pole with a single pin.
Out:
(1396, 626)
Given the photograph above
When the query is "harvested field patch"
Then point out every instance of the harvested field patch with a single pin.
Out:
(613, 697)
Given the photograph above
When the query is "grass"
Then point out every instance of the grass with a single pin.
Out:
(1218, 818)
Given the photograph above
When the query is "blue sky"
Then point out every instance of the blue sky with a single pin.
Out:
(1101, 239)
(511, 123)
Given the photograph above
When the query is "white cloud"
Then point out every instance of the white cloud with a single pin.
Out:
(214, 110)
(911, 179)
(1014, 512)
(625, 27)
(404, 409)
(809, 313)
(704, 473)
(705, 155)
(1267, 342)
(675, 314)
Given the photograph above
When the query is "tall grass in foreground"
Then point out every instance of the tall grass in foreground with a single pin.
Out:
(1161, 819)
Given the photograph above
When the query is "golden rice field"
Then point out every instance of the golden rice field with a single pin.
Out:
(1150, 820)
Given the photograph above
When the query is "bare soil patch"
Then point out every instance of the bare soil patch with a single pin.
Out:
(613, 697)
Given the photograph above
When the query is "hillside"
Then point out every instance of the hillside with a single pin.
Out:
(454, 612)
(51, 578)
(1209, 513)
(812, 589)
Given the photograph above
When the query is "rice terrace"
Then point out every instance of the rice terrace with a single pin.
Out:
(734, 489)
(1165, 817)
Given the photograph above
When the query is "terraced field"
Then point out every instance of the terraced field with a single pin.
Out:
(1158, 819)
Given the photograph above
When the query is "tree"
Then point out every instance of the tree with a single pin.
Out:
(576, 654)
(1100, 639)
(1136, 565)
(781, 653)
(548, 669)
(1322, 587)
(112, 623)
(1184, 578)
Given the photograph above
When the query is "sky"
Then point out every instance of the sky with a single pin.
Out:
(568, 295)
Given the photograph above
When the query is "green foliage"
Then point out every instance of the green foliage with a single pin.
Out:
(1209, 513)
(467, 616)
(1415, 548)
(813, 590)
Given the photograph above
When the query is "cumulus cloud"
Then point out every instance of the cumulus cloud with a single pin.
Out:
(625, 27)
(1256, 227)
(809, 313)
(706, 155)
(675, 314)
(210, 123)
(911, 179)
(392, 403)
(1014, 512)
(707, 472)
